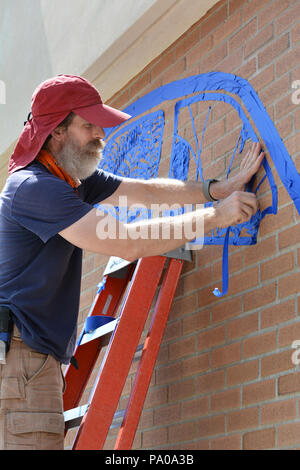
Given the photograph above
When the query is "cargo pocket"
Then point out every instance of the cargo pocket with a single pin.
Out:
(11, 388)
(41, 431)
(34, 364)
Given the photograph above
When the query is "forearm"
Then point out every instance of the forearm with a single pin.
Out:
(160, 235)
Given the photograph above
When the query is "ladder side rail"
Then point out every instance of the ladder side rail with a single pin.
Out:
(87, 354)
(149, 355)
(95, 425)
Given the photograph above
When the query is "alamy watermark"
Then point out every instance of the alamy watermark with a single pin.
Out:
(158, 222)
(296, 93)
(2, 92)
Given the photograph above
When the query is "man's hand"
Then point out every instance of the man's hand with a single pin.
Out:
(237, 208)
(249, 167)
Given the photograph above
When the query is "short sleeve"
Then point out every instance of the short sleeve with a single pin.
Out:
(46, 205)
(100, 186)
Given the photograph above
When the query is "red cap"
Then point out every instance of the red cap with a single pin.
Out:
(51, 103)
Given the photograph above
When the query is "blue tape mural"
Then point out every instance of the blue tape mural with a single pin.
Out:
(134, 150)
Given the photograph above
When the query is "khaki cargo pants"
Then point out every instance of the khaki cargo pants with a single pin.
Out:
(31, 406)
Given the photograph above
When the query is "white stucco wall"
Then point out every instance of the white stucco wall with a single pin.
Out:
(107, 41)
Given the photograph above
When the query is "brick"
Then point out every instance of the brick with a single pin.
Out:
(193, 408)
(288, 434)
(259, 440)
(187, 43)
(289, 285)
(235, 263)
(182, 432)
(242, 373)
(289, 383)
(242, 419)
(183, 306)
(213, 132)
(211, 337)
(227, 443)
(196, 322)
(276, 363)
(211, 426)
(258, 392)
(285, 20)
(174, 72)
(196, 280)
(226, 144)
(259, 344)
(227, 28)
(288, 334)
(248, 69)
(259, 40)
(198, 52)
(279, 411)
(272, 11)
(166, 414)
(273, 224)
(225, 400)
(272, 51)
(168, 373)
(278, 314)
(288, 61)
(183, 347)
(209, 62)
(243, 281)
(296, 34)
(226, 355)
(251, 9)
(284, 106)
(259, 297)
(235, 5)
(263, 249)
(195, 365)
(285, 127)
(181, 390)
(263, 78)
(155, 437)
(242, 326)
(156, 397)
(166, 60)
(209, 382)
(232, 62)
(226, 309)
(213, 21)
(141, 82)
(275, 89)
(242, 36)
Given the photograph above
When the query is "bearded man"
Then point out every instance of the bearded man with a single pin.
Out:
(47, 216)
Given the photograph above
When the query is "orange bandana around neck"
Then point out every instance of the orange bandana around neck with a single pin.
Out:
(49, 162)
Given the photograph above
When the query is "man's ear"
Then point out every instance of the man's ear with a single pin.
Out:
(58, 134)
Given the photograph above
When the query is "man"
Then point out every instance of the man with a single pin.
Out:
(47, 217)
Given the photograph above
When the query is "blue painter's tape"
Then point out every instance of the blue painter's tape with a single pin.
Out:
(215, 86)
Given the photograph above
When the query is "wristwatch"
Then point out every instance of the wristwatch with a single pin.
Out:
(205, 189)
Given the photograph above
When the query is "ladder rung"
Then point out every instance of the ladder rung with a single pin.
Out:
(74, 417)
(100, 332)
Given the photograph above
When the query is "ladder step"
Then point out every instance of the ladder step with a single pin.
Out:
(74, 417)
(102, 331)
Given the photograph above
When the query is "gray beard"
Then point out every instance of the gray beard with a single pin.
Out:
(79, 163)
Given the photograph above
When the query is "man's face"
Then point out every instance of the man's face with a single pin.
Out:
(81, 148)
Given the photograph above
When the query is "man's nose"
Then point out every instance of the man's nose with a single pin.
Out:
(98, 132)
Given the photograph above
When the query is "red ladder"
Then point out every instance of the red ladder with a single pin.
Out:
(96, 417)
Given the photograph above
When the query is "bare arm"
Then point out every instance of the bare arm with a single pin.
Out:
(170, 191)
(103, 234)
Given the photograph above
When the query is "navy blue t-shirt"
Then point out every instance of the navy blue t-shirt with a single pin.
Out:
(40, 272)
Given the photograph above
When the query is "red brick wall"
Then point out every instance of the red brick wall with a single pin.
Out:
(224, 378)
